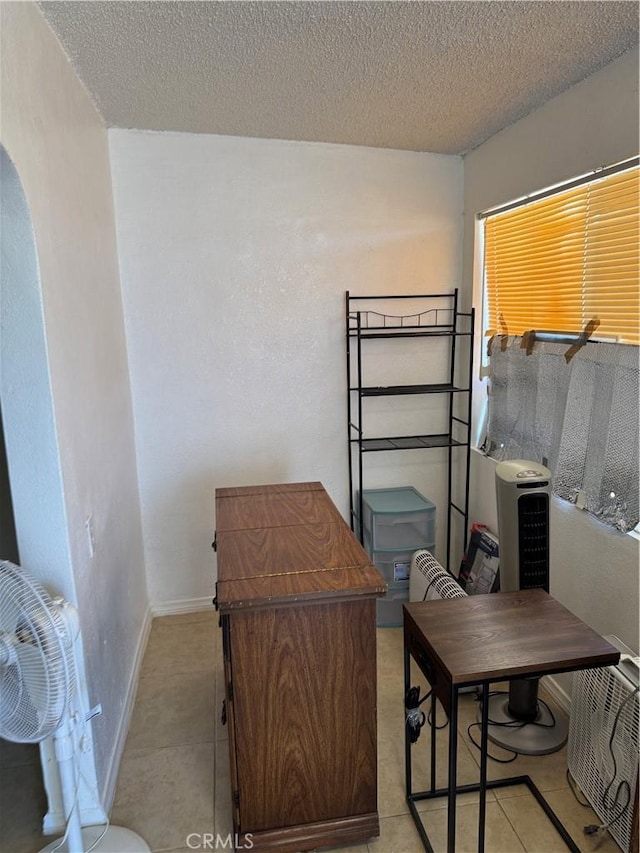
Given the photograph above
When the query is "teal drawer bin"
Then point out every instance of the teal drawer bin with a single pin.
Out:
(393, 565)
(398, 519)
(389, 608)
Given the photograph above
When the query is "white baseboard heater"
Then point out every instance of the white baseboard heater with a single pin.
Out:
(603, 740)
(428, 580)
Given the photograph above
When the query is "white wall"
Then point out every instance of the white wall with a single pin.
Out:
(56, 140)
(235, 255)
(594, 569)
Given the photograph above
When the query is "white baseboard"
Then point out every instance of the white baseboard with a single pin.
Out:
(181, 605)
(54, 822)
(109, 789)
(560, 696)
(165, 608)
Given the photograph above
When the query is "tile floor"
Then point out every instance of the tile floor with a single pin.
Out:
(174, 775)
(23, 801)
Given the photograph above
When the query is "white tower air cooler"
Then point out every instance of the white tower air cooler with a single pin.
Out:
(604, 740)
(523, 492)
(518, 720)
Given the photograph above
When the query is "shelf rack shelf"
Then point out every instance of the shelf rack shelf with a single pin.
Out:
(398, 390)
(439, 317)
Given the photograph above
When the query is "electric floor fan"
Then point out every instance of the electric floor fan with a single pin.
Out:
(37, 697)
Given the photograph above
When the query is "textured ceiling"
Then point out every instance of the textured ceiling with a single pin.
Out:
(424, 76)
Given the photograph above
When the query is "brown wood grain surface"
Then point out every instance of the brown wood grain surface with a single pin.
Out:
(304, 688)
(285, 550)
(300, 587)
(504, 635)
(297, 597)
(336, 832)
(272, 488)
(283, 509)
(230, 720)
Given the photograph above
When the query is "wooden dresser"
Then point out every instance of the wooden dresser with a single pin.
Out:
(296, 593)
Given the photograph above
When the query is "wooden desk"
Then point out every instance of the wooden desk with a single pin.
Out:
(296, 593)
(273, 489)
(482, 639)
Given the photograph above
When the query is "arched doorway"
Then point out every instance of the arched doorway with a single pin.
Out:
(33, 481)
(25, 394)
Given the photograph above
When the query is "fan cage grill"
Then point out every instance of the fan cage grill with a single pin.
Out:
(36, 679)
(598, 695)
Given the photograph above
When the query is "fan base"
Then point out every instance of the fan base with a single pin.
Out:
(115, 840)
(548, 736)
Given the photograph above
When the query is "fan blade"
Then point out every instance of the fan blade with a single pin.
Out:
(10, 612)
(32, 666)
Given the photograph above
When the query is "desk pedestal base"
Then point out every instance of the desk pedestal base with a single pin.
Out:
(548, 734)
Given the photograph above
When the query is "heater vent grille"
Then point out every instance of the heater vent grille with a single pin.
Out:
(533, 544)
(428, 580)
(604, 742)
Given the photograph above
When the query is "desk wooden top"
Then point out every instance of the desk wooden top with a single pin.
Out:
(300, 587)
(275, 509)
(290, 550)
(504, 635)
(271, 489)
(284, 544)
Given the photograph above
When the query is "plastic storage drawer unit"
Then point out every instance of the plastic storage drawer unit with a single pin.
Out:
(393, 565)
(389, 608)
(399, 519)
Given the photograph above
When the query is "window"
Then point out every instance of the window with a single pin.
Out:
(561, 310)
(557, 263)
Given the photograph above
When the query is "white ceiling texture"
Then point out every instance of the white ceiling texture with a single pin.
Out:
(426, 76)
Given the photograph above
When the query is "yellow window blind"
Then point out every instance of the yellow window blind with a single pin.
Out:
(555, 264)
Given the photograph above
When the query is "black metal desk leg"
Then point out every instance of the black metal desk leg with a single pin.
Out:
(483, 767)
(452, 780)
(433, 741)
(407, 744)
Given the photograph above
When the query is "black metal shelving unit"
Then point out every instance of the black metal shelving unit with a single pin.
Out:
(438, 316)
